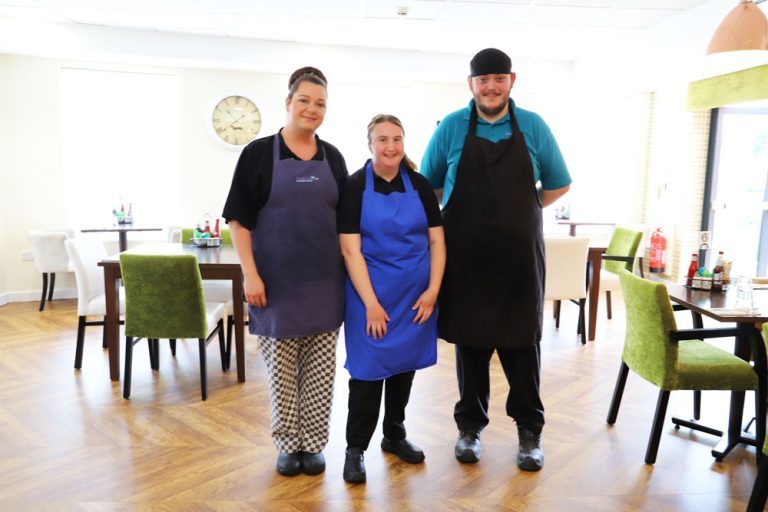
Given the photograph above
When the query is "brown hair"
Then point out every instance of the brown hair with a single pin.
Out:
(305, 74)
(389, 118)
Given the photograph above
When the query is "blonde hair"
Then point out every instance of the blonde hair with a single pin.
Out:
(389, 118)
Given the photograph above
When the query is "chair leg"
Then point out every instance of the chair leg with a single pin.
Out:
(608, 304)
(128, 365)
(203, 371)
(557, 305)
(760, 489)
(51, 285)
(173, 347)
(154, 353)
(658, 424)
(45, 291)
(222, 347)
(697, 404)
(230, 329)
(582, 326)
(80, 342)
(618, 392)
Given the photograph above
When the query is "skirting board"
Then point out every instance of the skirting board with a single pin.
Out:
(29, 296)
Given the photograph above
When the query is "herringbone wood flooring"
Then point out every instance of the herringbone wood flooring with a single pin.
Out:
(68, 440)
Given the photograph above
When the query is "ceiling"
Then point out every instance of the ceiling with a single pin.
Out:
(553, 29)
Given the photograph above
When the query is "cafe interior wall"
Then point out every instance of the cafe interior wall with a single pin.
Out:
(603, 131)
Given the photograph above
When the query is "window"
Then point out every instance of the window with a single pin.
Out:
(737, 213)
(120, 144)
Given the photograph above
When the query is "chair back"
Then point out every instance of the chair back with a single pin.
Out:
(566, 265)
(48, 249)
(188, 233)
(86, 253)
(624, 242)
(647, 348)
(163, 296)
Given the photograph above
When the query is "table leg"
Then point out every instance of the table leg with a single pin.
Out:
(239, 313)
(123, 241)
(734, 436)
(572, 230)
(596, 263)
(112, 319)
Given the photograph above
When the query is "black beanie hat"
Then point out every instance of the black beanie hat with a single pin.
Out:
(490, 62)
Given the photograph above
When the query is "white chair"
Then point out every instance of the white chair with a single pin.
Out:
(623, 252)
(566, 260)
(85, 254)
(50, 257)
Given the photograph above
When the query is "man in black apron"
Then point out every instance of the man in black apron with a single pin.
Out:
(491, 299)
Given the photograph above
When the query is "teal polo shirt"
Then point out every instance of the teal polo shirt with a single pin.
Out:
(444, 150)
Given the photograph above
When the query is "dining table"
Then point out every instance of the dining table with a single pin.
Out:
(122, 231)
(214, 262)
(721, 307)
(574, 224)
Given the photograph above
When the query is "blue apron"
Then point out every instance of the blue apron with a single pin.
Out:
(297, 253)
(395, 244)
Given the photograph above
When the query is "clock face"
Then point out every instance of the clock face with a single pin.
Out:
(236, 120)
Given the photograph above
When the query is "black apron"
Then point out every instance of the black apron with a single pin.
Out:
(493, 289)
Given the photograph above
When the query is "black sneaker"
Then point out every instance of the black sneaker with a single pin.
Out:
(289, 464)
(468, 447)
(404, 449)
(530, 457)
(354, 467)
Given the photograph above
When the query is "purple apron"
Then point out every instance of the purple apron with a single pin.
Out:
(395, 244)
(297, 253)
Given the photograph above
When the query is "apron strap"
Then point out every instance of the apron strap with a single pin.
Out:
(369, 177)
(276, 148)
(473, 118)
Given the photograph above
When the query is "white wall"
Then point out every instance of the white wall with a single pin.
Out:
(602, 135)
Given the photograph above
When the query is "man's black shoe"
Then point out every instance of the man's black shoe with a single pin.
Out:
(404, 449)
(468, 446)
(312, 463)
(288, 464)
(530, 457)
(354, 467)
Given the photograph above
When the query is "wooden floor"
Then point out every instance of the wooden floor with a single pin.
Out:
(68, 440)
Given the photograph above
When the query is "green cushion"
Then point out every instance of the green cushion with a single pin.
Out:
(624, 242)
(163, 296)
(188, 233)
(690, 364)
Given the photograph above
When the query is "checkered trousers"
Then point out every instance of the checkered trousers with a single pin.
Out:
(301, 374)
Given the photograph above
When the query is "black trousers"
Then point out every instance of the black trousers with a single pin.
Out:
(364, 405)
(522, 369)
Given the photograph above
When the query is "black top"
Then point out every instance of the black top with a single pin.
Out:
(351, 203)
(252, 180)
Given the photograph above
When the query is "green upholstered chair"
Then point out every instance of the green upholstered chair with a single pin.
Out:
(759, 495)
(620, 255)
(164, 299)
(674, 359)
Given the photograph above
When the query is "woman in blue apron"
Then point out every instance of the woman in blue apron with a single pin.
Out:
(282, 212)
(393, 246)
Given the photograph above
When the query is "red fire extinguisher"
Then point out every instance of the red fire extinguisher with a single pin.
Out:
(658, 252)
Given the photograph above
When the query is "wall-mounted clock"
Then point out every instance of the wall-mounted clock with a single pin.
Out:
(235, 120)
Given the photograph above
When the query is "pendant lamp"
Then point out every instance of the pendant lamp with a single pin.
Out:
(744, 28)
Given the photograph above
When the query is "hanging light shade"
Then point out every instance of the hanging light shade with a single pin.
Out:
(744, 28)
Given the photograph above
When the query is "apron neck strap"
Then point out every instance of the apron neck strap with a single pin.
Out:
(276, 148)
(369, 177)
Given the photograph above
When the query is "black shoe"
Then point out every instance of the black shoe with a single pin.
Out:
(354, 467)
(468, 446)
(404, 449)
(312, 463)
(288, 464)
(530, 457)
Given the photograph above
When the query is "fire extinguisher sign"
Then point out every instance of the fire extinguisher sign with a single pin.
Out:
(658, 261)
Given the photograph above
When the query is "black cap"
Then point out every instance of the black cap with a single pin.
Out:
(490, 62)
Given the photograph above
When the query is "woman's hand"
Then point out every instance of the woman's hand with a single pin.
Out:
(376, 321)
(424, 306)
(255, 291)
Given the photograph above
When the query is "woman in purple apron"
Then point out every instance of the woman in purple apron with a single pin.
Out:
(393, 245)
(282, 212)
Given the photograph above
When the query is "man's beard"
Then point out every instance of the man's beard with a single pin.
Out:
(494, 111)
